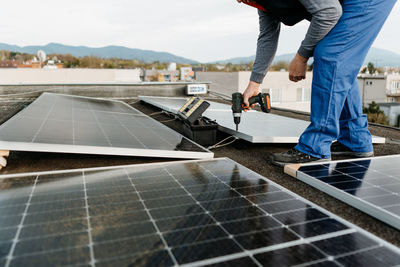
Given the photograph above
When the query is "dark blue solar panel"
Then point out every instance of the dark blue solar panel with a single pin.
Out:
(200, 213)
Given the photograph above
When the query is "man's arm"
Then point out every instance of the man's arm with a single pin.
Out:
(266, 46)
(325, 15)
(266, 49)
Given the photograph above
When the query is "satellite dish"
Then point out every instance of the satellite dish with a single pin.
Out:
(41, 55)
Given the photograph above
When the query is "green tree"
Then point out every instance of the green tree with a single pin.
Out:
(375, 114)
(280, 65)
(371, 68)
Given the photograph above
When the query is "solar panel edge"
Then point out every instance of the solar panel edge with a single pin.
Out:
(6, 176)
(350, 160)
(148, 99)
(355, 202)
(99, 150)
(338, 218)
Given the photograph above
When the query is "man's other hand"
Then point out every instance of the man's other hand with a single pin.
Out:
(251, 90)
(298, 68)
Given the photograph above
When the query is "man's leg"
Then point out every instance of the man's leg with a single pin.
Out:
(354, 133)
(337, 61)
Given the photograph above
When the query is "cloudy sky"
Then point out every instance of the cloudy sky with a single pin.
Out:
(203, 30)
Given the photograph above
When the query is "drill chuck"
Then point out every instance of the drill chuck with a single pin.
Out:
(236, 117)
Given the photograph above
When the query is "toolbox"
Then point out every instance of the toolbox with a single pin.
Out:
(203, 131)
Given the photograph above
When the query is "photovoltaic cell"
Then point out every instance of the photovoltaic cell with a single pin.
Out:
(72, 124)
(371, 185)
(210, 212)
(255, 126)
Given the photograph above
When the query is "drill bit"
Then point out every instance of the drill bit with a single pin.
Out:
(237, 127)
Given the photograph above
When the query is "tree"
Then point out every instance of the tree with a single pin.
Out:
(371, 68)
(280, 65)
(375, 114)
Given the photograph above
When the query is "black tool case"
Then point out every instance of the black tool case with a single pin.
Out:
(203, 131)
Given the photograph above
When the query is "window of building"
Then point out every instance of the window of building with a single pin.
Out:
(303, 95)
(395, 85)
(299, 95)
(275, 94)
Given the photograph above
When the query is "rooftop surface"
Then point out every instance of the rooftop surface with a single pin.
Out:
(252, 156)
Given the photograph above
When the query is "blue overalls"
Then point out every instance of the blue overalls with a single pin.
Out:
(336, 109)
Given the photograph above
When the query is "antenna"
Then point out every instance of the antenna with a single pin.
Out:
(42, 56)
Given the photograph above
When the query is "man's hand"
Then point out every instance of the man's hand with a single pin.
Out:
(298, 68)
(251, 90)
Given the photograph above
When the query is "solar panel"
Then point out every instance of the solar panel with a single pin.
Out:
(371, 185)
(195, 213)
(173, 104)
(74, 124)
(255, 126)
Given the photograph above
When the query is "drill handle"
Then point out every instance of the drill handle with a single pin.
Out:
(254, 99)
(263, 99)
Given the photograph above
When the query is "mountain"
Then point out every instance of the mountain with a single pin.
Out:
(103, 52)
(380, 58)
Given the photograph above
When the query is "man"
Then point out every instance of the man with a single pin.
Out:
(339, 37)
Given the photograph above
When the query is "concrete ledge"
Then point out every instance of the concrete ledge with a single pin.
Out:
(109, 90)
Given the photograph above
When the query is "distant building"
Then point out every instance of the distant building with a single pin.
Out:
(8, 64)
(187, 74)
(30, 64)
(198, 69)
(51, 65)
(392, 110)
(154, 75)
(381, 88)
(172, 66)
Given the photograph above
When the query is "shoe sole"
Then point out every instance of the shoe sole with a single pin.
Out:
(282, 164)
(354, 154)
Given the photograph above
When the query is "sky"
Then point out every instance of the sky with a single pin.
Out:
(202, 30)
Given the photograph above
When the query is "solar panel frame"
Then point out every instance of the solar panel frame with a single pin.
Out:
(287, 130)
(82, 142)
(362, 204)
(305, 243)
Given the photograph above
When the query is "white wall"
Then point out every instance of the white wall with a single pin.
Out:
(277, 82)
(392, 110)
(224, 83)
(67, 76)
(372, 89)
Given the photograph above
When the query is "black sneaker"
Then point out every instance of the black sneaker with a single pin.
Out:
(339, 149)
(294, 156)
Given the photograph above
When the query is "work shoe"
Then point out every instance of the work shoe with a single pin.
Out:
(339, 149)
(294, 156)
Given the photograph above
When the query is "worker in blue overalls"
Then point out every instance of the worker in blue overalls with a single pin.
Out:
(339, 37)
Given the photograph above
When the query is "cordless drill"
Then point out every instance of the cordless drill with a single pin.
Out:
(238, 105)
